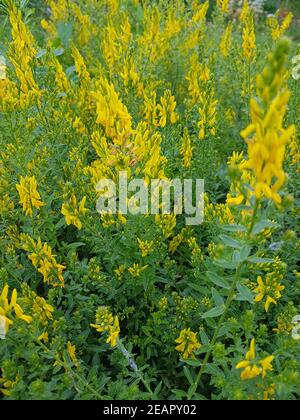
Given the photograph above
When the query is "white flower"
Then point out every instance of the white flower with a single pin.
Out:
(2, 327)
(296, 72)
(296, 59)
(296, 68)
(2, 68)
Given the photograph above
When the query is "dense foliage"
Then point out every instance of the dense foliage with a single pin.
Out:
(143, 306)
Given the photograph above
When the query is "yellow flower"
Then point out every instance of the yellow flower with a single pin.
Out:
(44, 337)
(270, 290)
(146, 247)
(22, 53)
(225, 43)
(269, 392)
(266, 137)
(111, 113)
(6, 384)
(279, 30)
(186, 149)
(29, 196)
(245, 11)
(71, 349)
(81, 69)
(72, 211)
(252, 368)
(119, 272)
(106, 322)
(114, 331)
(6, 308)
(249, 40)
(167, 223)
(187, 344)
(266, 365)
(42, 258)
(166, 109)
(207, 112)
(136, 270)
(223, 5)
(61, 79)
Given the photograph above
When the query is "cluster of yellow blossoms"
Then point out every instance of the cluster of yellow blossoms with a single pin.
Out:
(265, 136)
(42, 258)
(6, 309)
(253, 368)
(270, 290)
(72, 211)
(106, 322)
(278, 30)
(22, 53)
(249, 39)
(186, 149)
(187, 343)
(225, 43)
(146, 247)
(29, 196)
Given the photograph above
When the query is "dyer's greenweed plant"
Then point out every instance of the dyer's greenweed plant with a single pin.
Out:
(141, 304)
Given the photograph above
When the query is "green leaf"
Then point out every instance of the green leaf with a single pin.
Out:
(64, 30)
(240, 256)
(214, 313)
(257, 260)
(188, 374)
(192, 390)
(245, 252)
(217, 280)
(234, 228)
(203, 349)
(229, 265)
(191, 362)
(262, 225)
(245, 293)
(204, 338)
(228, 241)
(217, 298)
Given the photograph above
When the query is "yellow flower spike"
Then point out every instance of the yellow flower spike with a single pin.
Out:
(146, 247)
(266, 365)
(6, 310)
(249, 40)
(187, 343)
(44, 337)
(270, 290)
(186, 149)
(265, 136)
(251, 353)
(136, 270)
(106, 322)
(245, 11)
(252, 368)
(42, 258)
(72, 211)
(223, 5)
(225, 43)
(114, 331)
(29, 196)
(71, 349)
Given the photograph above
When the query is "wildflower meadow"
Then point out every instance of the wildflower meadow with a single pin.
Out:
(149, 200)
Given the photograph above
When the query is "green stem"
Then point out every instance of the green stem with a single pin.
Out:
(220, 323)
(67, 368)
(256, 207)
(229, 300)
